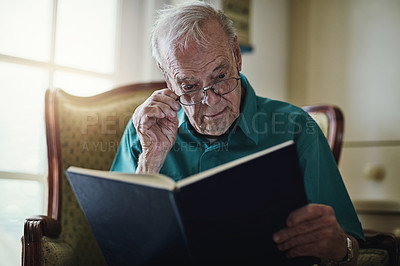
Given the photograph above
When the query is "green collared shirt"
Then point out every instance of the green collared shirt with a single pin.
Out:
(262, 123)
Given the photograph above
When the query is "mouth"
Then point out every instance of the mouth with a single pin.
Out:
(216, 115)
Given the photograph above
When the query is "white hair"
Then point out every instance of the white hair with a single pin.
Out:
(176, 25)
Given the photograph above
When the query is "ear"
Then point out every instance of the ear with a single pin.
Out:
(166, 78)
(160, 67)
(162, 70)
(238, 53)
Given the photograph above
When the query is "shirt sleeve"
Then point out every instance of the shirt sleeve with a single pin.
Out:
(323, 181)
(128, 151)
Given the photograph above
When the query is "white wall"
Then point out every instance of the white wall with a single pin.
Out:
(266, 66)
(353, 61)
(372, 100)
(135, 60)
(374, 70)
(347, 53)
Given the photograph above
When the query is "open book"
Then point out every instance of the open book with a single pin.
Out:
(227, 213)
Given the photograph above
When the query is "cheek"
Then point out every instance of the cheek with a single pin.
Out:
(235, 101)
(236, 105)
(192, 112)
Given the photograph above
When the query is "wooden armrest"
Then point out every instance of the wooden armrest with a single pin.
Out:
(39, 226)
(381, 240)
(35, 228)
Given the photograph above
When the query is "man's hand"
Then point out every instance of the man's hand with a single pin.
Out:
(156, 123)
(313, 231)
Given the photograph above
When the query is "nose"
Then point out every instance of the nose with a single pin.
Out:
(210, 97)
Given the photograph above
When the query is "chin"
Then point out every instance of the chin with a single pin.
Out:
(212, 130)
(215, 128)
(214, 133)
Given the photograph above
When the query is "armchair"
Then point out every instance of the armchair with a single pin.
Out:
(81, 131)
(85, 132)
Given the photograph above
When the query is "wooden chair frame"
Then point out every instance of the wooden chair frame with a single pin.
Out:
(387, 241)
(336, 126)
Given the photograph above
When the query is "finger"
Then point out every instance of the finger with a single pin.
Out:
(323, 248)
(319, 231)
(146, 113)
(158, 107)
(166, 104)
(308, 213)
(147, 116)
(169, 128)
(305, 228)
(298, 241)
(166, 120)
(328, 238)
(159, 103)
(166, 92)
(166, 96)
(145, 122)
(311, 249)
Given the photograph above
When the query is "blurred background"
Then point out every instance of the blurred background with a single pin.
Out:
(341, 52)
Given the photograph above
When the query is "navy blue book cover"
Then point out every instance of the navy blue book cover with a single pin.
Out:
(224, 216)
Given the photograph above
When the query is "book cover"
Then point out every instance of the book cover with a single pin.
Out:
(225, 214)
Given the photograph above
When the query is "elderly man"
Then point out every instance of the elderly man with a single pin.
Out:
(209, 115)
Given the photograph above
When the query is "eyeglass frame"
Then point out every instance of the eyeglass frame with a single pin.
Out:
(205, 89)
(210, 87)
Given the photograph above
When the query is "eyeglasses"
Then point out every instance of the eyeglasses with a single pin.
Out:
(220, 88)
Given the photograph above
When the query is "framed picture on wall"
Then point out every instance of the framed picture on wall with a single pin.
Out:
(239, 12)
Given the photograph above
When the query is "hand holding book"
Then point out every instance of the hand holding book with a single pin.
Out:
(313, 230)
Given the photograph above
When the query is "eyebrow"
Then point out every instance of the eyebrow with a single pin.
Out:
(222, 65)
(191, 78)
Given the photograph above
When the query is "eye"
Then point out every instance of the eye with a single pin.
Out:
(222, 76)
(189, 87)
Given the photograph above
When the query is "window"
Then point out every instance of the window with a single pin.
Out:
(69, 44)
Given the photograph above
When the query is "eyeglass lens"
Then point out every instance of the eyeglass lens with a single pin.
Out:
(220, 88)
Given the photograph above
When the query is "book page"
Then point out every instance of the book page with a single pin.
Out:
(218, 169)
(155, 180)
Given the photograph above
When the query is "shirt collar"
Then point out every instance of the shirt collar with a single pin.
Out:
(248, 110)
(182, 117)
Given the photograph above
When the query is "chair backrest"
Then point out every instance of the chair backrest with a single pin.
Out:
(85, 132)
(331, 121)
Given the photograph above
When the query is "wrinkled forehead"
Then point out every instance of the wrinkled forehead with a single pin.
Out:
(213, 38)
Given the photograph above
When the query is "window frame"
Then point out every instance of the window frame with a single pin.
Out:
(51, 67)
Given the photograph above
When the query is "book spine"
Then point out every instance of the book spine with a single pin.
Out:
(173, 199)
